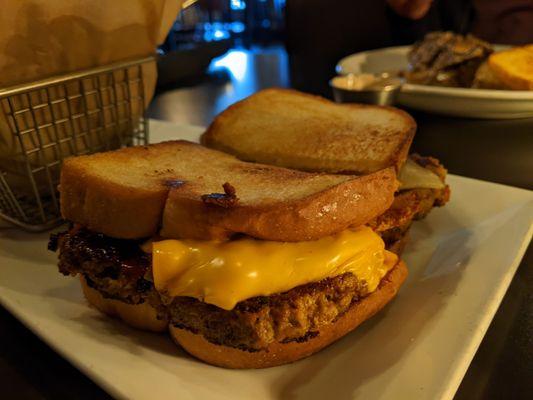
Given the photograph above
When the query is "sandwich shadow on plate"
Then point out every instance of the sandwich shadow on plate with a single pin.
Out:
(134, 341)
(110, 329)
(25, 245)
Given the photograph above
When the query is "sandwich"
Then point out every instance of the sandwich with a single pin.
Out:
(247, 265)
(290, 129)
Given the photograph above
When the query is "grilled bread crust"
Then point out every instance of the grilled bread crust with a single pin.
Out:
(296, 130)
(184, 190)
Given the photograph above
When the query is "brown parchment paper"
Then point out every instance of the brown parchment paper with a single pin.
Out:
(41, 38)
(46, 38)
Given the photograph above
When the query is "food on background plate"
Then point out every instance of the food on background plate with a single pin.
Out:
(514, 67)
(453, 60)
(446, 59)
(486, 78)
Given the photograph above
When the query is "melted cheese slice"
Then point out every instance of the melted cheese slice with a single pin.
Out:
(225, 273)
(414, 176)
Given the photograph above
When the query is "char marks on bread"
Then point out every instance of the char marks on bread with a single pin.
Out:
(296, 130)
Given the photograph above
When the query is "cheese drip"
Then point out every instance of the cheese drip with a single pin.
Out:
(225, 273)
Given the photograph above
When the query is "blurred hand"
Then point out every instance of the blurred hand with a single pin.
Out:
(412, 9)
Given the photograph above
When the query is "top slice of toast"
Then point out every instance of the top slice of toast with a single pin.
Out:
(295, 130)
(184, 190)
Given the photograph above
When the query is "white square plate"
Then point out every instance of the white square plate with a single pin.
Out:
(461, 261)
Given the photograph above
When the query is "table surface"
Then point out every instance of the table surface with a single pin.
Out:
(498, 151)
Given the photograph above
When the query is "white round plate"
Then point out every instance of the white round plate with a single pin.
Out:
(474, 103)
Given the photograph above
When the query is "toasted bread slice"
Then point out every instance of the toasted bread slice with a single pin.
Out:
(191, 191)
(296, 130)
(514, 67)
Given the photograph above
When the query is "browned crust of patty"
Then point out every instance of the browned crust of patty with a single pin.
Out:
(397, 245)
(412, 204)
(255, 323)
(116, 268)
(278, 353)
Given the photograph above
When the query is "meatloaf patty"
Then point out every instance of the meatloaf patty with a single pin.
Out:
(410, 205)
(119, 269)
(253, 324)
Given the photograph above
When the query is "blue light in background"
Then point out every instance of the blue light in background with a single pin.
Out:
(218, 34)
(279, 5)
(235, 61)
(237, 4)
(215, 31)
(237, 27)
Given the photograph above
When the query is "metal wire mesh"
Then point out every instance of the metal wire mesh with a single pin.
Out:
(43, 123)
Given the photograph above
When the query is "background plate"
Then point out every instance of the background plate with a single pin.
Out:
(478, 103)
(461, 260)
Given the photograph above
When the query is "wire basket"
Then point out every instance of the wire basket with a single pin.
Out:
(44, 122)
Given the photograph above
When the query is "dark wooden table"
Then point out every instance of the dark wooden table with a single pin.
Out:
(498, 151)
